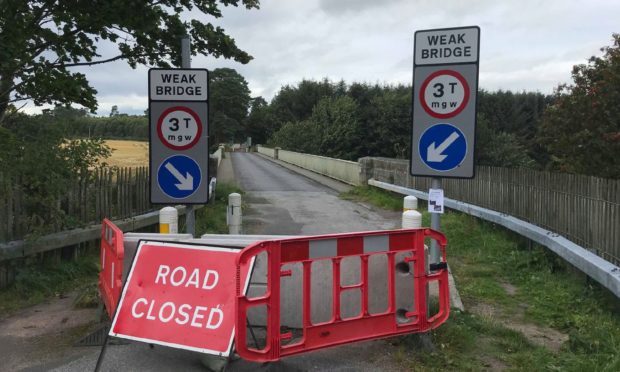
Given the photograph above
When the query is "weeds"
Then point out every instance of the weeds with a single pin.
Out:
(36, 282)
(212, 218)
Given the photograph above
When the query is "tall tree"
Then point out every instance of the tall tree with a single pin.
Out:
(43, 39)
(296, 103)
(581, 130)
(229, 104)
(337, 121)
(259, 123)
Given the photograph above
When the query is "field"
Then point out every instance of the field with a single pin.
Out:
(128, 153)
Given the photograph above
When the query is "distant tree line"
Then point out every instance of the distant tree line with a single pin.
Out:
(351, 121)
(576, 130)
(229, 104)
(78, 123)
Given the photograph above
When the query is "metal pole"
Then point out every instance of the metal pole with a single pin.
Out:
(186, 62)
(186, 59)
(435, 218)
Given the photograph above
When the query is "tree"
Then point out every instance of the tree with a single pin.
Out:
(337, 121)
(581, 130)
(37, 158)
(43, 40)
(302, 136)
(498, 148)
(296, 103)
(114, 111)
(229, 104)
(259, 123)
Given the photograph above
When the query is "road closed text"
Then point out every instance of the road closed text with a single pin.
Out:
(181, 313)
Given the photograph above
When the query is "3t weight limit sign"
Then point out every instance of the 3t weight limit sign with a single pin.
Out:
(445, 83)
(444, 94)
(179, 128)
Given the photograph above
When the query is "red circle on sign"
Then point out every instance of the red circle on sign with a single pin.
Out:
(458, 77)
(161, 134)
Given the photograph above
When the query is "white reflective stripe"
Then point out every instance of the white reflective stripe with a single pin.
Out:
(376, 243)
(323, 248)
(112, 275)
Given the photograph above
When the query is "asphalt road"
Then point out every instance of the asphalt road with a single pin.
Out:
(281, 202)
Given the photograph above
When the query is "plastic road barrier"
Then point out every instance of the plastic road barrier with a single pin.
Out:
(111, 274)
(340, 329)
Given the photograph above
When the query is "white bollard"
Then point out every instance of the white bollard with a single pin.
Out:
(168, 221)
(412, 220)
(410, 203)
(233, 214)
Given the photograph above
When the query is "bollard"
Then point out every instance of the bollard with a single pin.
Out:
(412, 219)
(410, 203)
(168, 221)
(233, 214)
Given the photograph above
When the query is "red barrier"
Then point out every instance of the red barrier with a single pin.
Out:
(111, 274)
(339, 330)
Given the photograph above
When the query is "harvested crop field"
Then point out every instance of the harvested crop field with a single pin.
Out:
(128, 153)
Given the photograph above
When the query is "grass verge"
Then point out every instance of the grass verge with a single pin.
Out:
(212, 218)
(35, 283)
(526, 309)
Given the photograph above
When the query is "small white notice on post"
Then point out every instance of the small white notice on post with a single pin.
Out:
(435, 200)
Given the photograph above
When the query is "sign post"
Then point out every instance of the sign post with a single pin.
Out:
(445, 86)
(179, 146)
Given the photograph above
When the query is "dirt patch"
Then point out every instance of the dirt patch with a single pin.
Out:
(42, 333)
(54, 316)
(492, 364)
(547, 337)
(510, 289)
(543, 336)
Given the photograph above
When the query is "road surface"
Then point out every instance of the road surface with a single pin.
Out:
(283, 202)
(280, 202)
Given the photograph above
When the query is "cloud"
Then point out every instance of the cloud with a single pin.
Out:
(341, 7)
(525, 45)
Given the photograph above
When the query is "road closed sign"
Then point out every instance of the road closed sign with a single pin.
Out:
(445, 84)
(182, 296)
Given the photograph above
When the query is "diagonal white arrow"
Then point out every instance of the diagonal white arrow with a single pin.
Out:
(434, 154)
(186, 183)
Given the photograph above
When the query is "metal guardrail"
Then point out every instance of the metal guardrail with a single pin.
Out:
(604, 272)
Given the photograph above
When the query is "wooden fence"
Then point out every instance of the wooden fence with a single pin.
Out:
(584, 209)
(113, 193)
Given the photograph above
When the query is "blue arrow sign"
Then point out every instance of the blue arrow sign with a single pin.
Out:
(442, 147)
(179, 176)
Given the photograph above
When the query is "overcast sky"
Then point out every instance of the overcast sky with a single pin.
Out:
(525, 45)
